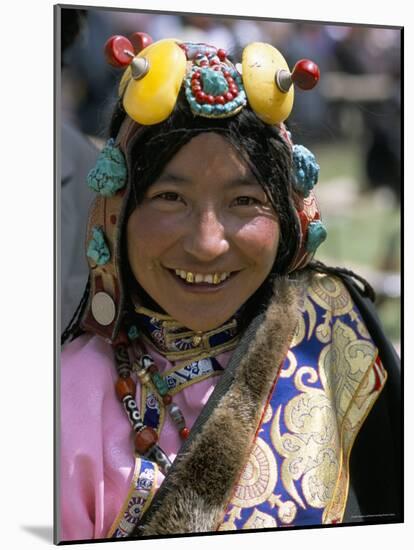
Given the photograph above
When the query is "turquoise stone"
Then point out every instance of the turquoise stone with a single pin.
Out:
(305, 170)
(133, 332)
(98, 250)
(110, 172)
(159, 383)
(207, 109)
(316, 235)
(214, 82)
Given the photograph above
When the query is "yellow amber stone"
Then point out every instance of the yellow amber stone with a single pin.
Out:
(151, 99)
(260, 64)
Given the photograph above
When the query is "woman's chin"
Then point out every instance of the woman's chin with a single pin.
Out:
(202, 320)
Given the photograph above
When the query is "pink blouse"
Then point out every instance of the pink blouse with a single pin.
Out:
(96, 449)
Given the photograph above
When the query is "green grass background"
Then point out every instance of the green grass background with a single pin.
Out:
(363, 234)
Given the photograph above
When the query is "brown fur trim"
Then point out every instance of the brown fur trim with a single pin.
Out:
(203, 477)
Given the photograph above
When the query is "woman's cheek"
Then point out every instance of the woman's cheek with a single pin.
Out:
(150, 234)
(260, 237)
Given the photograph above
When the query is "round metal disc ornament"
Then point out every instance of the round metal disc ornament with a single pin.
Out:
(103, 308)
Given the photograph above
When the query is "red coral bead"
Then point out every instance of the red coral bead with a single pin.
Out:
(140, 40)
(221, 54)
(234, 90)
(115, 48)
(145, 439)
(121, 340)
(200, 97)
(167, 399)
(124, 387)
(220, 100)
(305, 74)
(230, 80)
(226, 74)
(228, 96)
(210, 99)
(185, 432)
(196, 88)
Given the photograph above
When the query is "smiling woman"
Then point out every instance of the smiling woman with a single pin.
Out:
(217, 377)
(205, 236)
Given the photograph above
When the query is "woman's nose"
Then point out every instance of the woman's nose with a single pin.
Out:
(206, 239)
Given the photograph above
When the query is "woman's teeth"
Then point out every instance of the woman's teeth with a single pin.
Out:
(211, 278)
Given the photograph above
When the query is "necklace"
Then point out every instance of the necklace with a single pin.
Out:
(198, 349)
(177, 378)
(145, 437)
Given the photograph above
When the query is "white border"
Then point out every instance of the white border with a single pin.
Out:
(27, 268)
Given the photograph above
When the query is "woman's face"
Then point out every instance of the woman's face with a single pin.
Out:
(205, 236)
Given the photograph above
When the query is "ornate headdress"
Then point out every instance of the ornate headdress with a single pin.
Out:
(154, 75)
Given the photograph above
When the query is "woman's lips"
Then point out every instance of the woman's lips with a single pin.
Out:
(215, 277)
(202, 286)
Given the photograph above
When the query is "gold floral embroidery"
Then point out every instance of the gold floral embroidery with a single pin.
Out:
(230, 523)
(255, 485)
(322, 420)
(268, 415)
(286, 509)
(330, 294)
(362, 329)
(362, 402)
(259, 520)
(323, 330)
(292, 363)
(343, 364)
(259, 477)
(308, 447)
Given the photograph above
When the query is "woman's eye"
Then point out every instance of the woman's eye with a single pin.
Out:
(168, 196)
(245, 201)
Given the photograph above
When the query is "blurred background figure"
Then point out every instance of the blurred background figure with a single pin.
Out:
(351, 121)
(78, 156)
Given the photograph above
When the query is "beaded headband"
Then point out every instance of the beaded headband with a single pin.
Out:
(214, 87)
(154, 75)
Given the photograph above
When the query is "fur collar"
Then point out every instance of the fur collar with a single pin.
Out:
(195, 493)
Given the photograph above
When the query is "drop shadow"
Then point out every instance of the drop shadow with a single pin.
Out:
(42, 532)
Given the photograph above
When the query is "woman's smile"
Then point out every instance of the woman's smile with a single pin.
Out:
(204, 283)
(213, 278)
(205, 236)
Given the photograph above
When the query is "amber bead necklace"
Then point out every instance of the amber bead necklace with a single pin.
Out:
(146, 438)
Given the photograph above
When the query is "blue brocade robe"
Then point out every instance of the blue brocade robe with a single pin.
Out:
(272, 447)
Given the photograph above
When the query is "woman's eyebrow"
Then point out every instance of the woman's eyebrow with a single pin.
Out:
(247, 179)
(171, 177)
